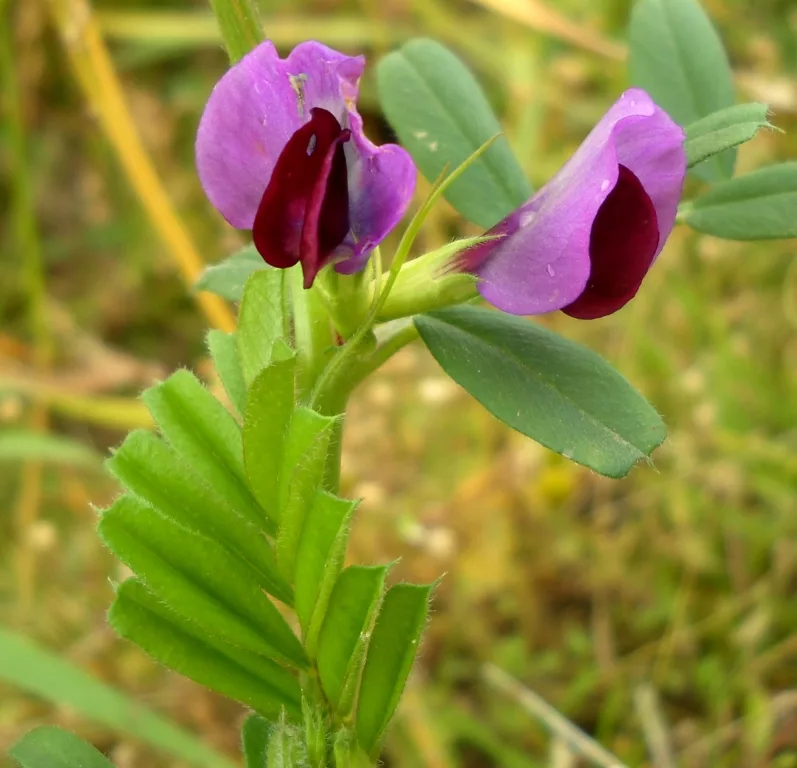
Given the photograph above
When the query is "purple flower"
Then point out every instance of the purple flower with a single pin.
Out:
(281, 151)
(586, 240)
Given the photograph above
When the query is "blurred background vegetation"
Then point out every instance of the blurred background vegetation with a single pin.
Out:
(657, 612)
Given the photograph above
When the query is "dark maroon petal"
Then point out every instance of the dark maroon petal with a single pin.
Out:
(304, 213)
(326, 221)
(622, 245)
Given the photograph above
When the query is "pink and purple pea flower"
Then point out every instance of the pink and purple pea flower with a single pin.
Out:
(281, 151)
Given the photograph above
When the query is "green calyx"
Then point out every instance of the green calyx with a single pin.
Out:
(432, 281)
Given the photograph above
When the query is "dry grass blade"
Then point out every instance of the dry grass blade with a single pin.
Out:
(654, 726)
(197, 28)
(560, 727)
(783, 706)
(560, 755)
(95, 72)
(103, 410)
(539, 17)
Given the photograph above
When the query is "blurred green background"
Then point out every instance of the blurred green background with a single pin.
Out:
(658, 613)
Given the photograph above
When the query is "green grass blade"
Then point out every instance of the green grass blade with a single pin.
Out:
(40, 672)
(26, 445)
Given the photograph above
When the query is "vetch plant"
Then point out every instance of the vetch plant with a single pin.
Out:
(231, 519)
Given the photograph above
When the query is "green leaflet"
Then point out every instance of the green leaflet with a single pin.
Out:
(202, 431)
(281, 683)
(723, 130)
(678, 58)
(761, 205)
(304, 458)
(172, 646)
(255, 734)
(54, 679)
(228, 278)
(260, 321)
(346, 630)
(50, 747)
(391, 652)
(319, 560)
(266, 425)
(442, 117)
(154, 473)
(198, 578)
(557, 392)
(224, 351)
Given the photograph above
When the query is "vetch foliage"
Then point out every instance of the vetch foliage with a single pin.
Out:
(230, 516)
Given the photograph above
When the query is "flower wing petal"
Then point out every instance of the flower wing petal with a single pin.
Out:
(381, 185)
(381, 179)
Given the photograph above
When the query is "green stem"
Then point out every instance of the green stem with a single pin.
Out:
(334, 375)
(313, 334)
(398, 335)
(345, 378)
(240, 29)
(394, 336)
(348, 299)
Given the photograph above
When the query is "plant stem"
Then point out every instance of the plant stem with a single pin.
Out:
(394, 336)
(95, 73)
(335, 374)
(240, 29)
(312, 331)
(401, 333)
